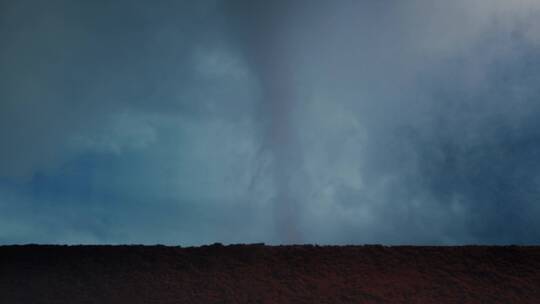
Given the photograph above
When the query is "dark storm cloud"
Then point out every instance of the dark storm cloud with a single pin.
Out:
(73, 64)
(116, 115)
(445, 136)
(282, 121)
(483, 146)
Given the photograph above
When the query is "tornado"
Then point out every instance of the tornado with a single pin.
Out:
(265, 28)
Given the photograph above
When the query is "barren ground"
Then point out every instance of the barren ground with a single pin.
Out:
(269, 274)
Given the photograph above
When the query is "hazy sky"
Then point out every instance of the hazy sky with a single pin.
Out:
(330, 122)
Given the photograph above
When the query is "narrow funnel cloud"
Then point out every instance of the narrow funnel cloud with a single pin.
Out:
(264, 28)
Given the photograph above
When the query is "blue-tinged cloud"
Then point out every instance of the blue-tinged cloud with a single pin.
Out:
(245, 121)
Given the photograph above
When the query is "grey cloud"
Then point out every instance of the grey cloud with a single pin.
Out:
(236, 121)
(470, 177)
(73, 65)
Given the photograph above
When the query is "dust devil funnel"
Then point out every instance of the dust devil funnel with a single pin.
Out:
(264, 29)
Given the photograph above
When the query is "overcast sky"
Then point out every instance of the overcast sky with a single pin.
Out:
(330, 122)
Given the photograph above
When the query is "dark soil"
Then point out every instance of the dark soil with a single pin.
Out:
(269, 274)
